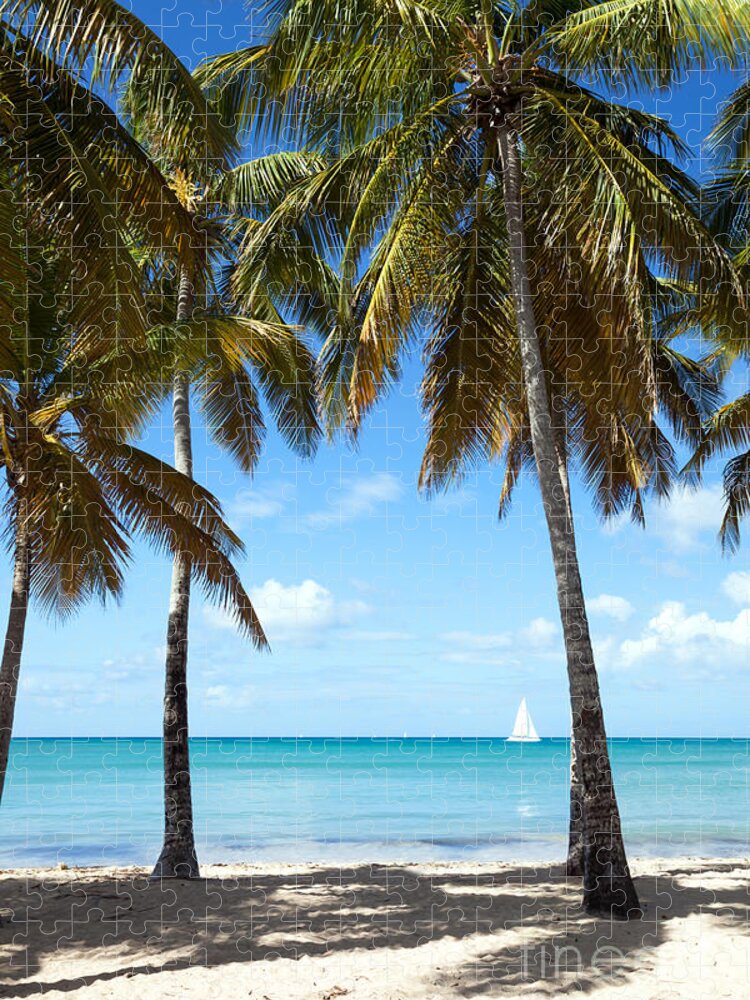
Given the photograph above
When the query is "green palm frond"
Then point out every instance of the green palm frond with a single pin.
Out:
(324, 48)
(621, 460)
(229, 82)
(83, 488)
(650, 41)
(472, 389)
(689, 389)
(112, 44)
(279, 273)
(219, 349)
(79, 544)
(177, 516)
(727, 195)
(622, 197)
(229, 402)
(736, 500)
(79, 170)
(729, 140)
(265, 181)
(727, 428)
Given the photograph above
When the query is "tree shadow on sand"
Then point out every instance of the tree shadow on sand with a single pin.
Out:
(525, 924)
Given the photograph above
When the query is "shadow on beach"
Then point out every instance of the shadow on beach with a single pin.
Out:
(480, 930)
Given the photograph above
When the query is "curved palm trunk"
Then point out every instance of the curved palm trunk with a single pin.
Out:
(11, 663)
(574, 862)
(178, 856)
(608, 887)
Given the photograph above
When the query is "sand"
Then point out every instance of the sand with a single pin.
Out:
(372, 932)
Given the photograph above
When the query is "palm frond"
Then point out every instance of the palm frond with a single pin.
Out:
(727, 428)
(113, 43)
(736, 483)
(650, 41)
(177, 516)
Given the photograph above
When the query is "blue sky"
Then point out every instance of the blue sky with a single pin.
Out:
(388, 613)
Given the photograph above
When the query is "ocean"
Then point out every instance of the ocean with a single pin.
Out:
(99, 801)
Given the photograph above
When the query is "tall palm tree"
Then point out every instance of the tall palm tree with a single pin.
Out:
(185, 146)
(274, 360)
(622, 453)
(241, 359)
(445, 114)
(186, 157)
(75, 489)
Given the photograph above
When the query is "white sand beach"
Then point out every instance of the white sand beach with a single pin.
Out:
(372, 932)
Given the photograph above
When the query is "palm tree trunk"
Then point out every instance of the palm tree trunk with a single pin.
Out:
(11, 663)
(574, 863)
(608, 887)
(178, 856)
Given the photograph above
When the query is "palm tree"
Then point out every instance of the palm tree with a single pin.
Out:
(446, 115)
(75, 489)
(240, 358)
(186, 158)
(271, 355)
(185, 146)
(622, 453)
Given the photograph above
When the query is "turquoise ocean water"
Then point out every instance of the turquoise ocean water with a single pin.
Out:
(99, 801)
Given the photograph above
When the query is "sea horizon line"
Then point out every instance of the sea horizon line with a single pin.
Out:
(352, 738)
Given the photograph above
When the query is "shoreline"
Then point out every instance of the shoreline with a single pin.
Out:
(394, 931)
(645, 862)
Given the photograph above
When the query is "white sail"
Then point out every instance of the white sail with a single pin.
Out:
(524, 730)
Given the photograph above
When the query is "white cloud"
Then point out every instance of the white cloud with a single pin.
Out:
(298, 612)
(691, 517)
(540, 632)
(737, 588)
(675, 635)
(604, 652)
(612, 606)
(258, 503)
(356, 497)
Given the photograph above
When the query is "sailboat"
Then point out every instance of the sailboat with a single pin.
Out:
(524, 730)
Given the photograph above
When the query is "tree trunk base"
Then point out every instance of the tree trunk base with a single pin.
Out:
(612, 896)
(574, 864)
(176, 862)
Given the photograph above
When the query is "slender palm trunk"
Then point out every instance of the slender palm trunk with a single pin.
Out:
(178, 856)
(574, 863)
(11, 663)
(608, 887)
